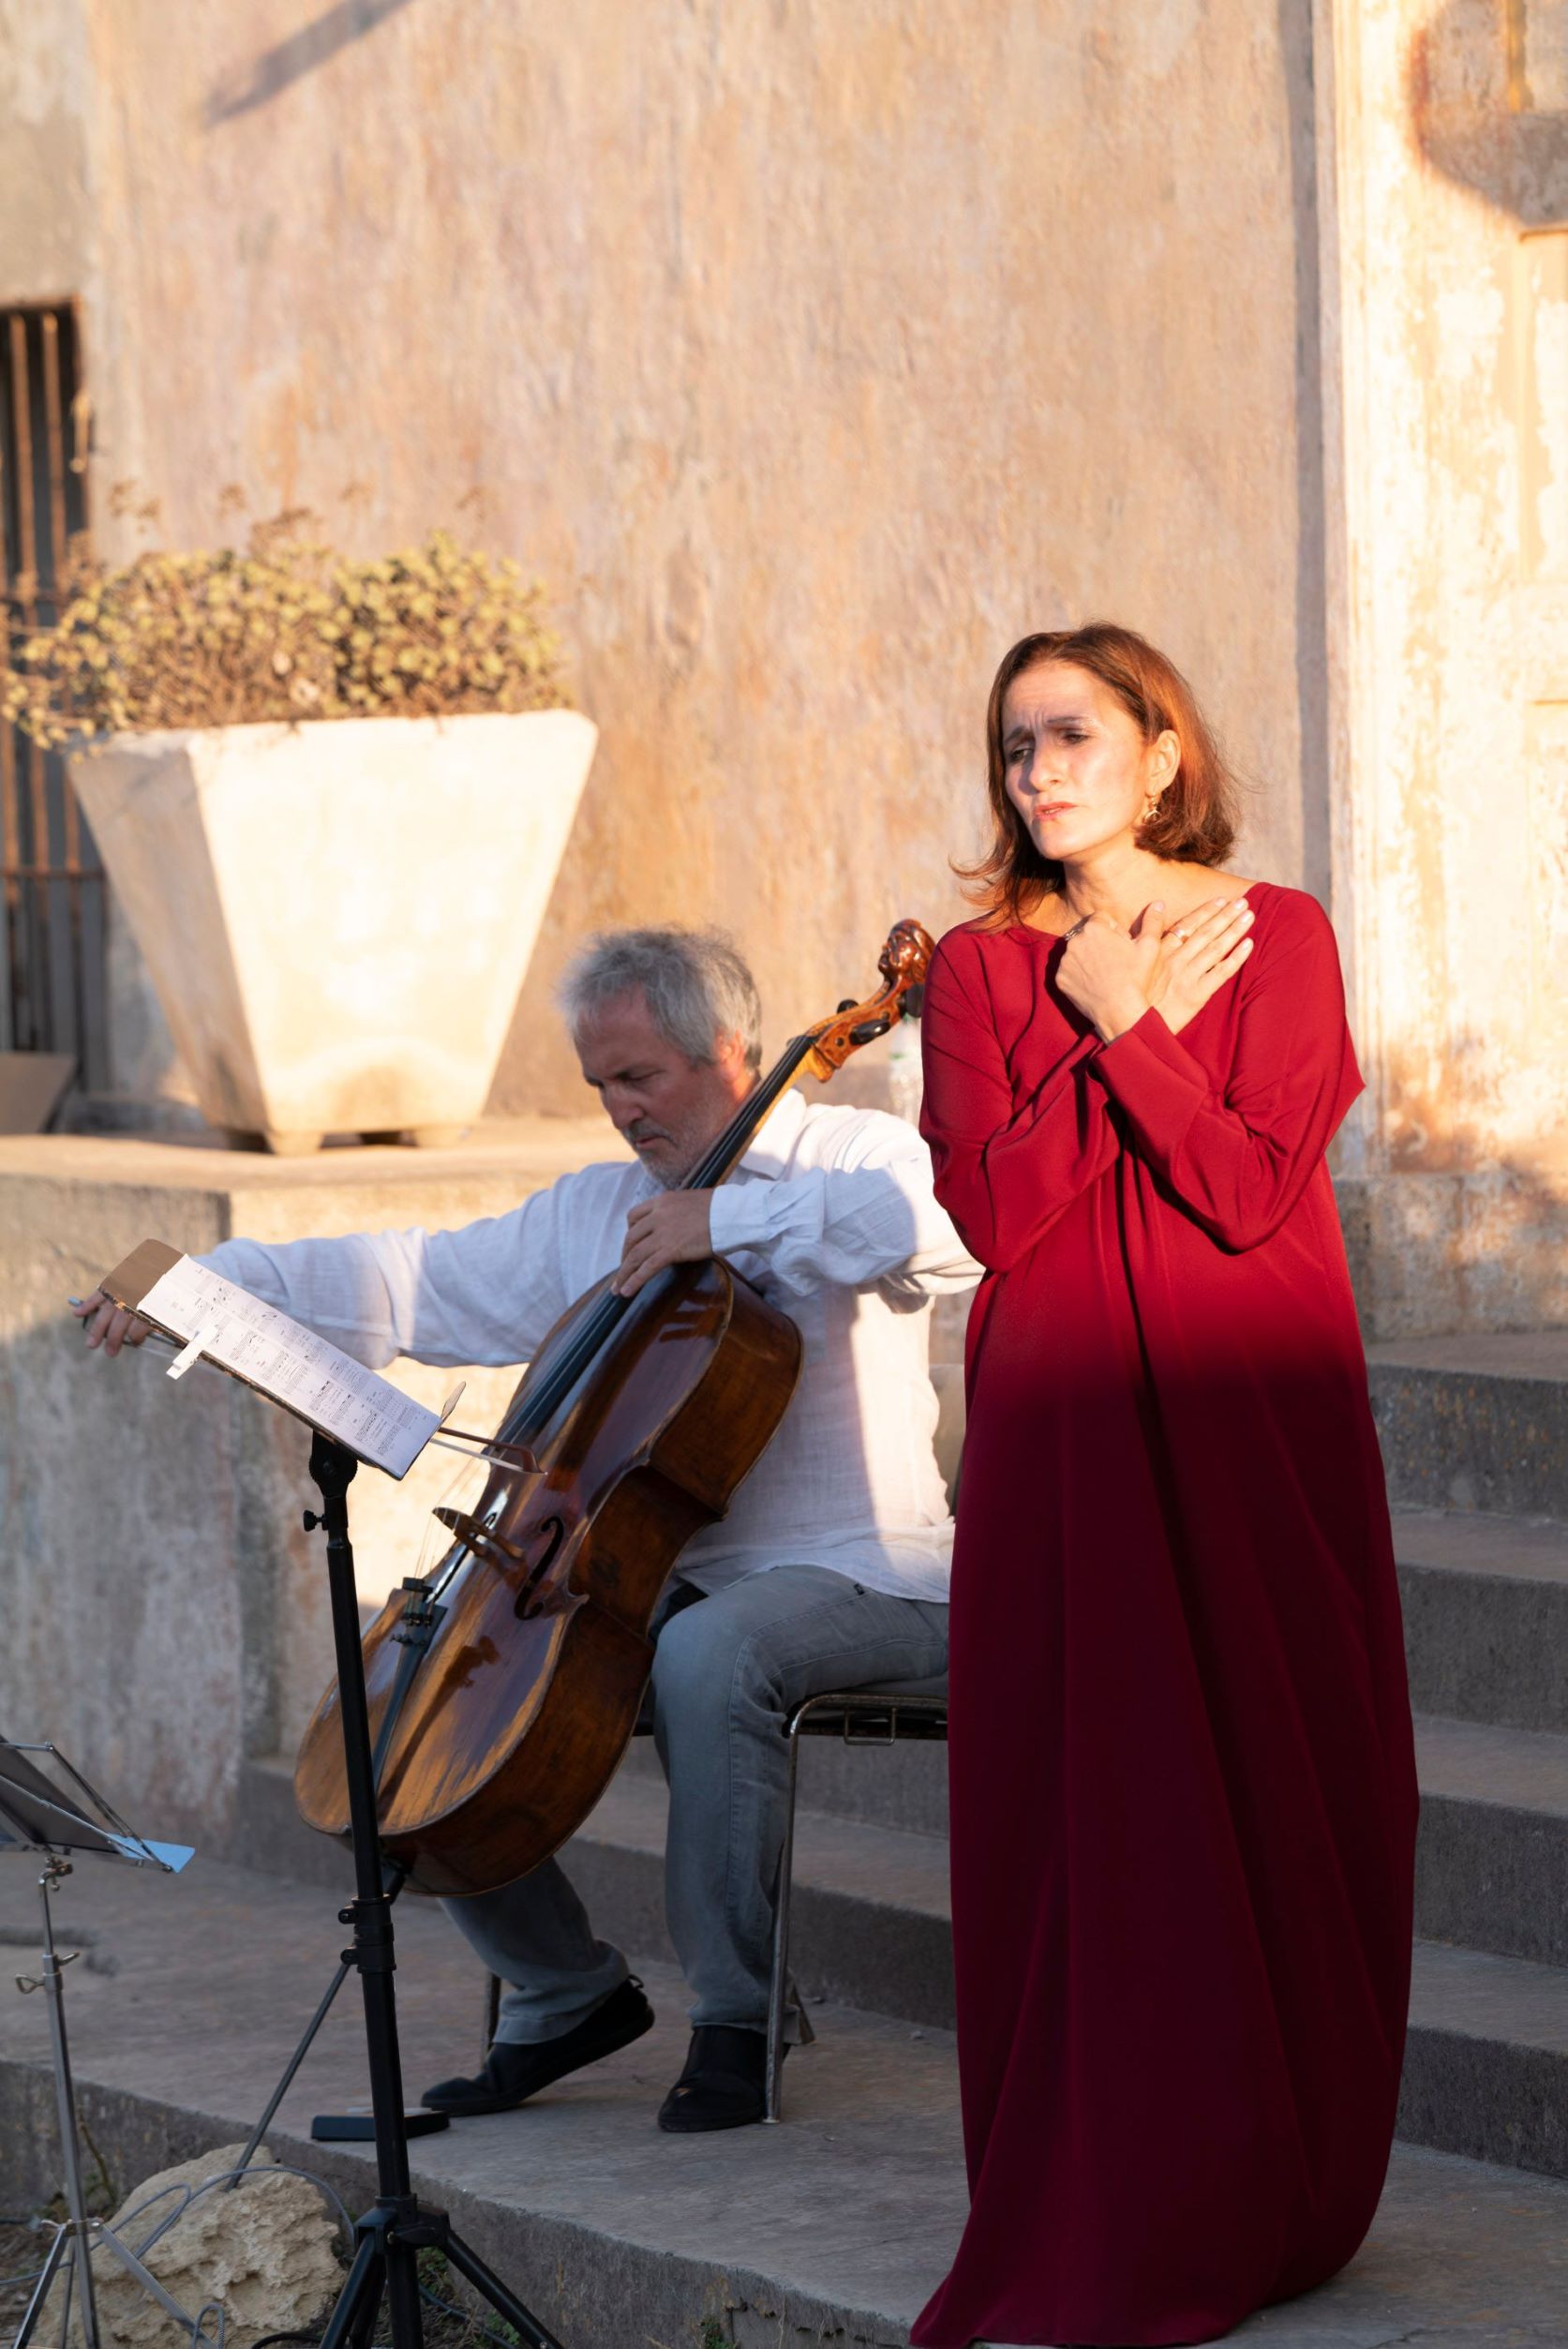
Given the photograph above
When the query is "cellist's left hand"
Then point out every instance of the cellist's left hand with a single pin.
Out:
(673, 1229)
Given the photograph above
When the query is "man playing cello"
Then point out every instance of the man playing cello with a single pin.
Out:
(831, 1566)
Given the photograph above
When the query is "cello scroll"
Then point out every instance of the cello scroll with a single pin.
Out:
(903, 963)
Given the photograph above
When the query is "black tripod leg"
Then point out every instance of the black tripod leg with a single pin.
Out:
(353, 2318)
(490, 2287)
(287, 2077)
(395, 1881)
(402, 2291)
(364, 2333)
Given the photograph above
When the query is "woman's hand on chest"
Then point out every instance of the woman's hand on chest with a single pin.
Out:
(1114, 976)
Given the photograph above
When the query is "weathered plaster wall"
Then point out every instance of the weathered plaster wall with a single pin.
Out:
(810, 353)
(1448, 342)
(46, 100)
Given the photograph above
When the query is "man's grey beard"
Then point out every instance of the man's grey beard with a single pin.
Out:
(692, 1155)
(676, 1177)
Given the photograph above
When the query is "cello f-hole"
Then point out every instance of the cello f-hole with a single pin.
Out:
(557, 1531)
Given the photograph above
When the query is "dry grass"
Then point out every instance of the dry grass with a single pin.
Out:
(286, 628)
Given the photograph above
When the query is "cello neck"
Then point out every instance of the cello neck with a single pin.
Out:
(542, 1399)
(722, 1156)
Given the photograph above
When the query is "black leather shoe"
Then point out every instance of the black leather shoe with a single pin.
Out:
(724, 2083)
(516, 2070)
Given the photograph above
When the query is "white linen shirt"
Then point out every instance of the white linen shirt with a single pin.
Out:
(830, 1214)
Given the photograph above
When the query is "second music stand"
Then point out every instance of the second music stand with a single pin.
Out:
(57, 1824)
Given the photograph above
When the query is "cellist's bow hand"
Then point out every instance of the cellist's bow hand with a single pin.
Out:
(672, 1229)
(108, 1324)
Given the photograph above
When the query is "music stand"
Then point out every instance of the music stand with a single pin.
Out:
(390, 2236)
(58, 1823)
(298, 1370)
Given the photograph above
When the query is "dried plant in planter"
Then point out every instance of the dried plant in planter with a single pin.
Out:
(286, 629)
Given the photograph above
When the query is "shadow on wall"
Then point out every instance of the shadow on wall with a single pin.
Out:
(1487, 84)
(253, 84)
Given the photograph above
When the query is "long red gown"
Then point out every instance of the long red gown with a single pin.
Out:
(1182, 1782)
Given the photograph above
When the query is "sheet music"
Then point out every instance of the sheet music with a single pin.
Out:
(292, 1365)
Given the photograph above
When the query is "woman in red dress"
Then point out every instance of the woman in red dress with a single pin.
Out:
(1183, 1783)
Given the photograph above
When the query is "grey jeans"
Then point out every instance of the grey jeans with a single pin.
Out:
(728, 1671)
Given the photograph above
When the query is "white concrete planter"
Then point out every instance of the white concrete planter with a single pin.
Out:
(337, 917)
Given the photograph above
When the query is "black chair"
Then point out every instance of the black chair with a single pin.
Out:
(880, 1715)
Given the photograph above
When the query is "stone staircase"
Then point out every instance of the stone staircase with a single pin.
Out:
(1475, 1435)
(837, 2225)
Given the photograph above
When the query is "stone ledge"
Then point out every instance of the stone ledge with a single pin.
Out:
(198, 1160)
(1478, 1249)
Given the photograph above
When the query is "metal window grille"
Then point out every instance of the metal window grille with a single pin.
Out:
(53, 993)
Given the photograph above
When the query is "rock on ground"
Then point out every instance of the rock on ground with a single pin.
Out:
(267, 2253)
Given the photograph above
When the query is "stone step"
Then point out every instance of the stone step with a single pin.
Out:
(1487, 2059)
(269, 1833)
(1486, 1601)
(833, 2227)
(1492, 1858)
(902, 1786)
(871, 1910)
(871, 1914)
(1478, 1422)
(872, 1923)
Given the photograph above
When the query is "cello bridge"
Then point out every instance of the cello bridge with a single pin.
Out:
(480, 1538)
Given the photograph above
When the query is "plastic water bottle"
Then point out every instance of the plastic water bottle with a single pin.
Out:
(905, 1081)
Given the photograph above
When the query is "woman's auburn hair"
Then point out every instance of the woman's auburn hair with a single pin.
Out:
(1195, 820)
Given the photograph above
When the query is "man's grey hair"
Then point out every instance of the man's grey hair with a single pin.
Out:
(694, 983)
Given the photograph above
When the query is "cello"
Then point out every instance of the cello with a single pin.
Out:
(632, 1428)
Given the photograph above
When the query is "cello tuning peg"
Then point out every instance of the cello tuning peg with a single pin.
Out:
(914, 1001)
(848, 1004)
(869, 1030)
